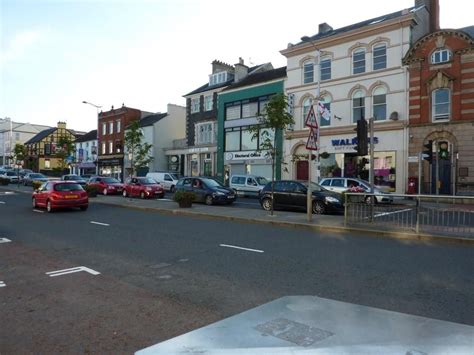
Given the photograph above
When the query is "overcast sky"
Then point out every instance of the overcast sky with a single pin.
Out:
(146, 54)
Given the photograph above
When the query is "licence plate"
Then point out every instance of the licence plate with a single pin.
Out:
(230, 196)
(71, 196)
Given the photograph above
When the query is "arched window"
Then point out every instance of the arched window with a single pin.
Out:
(441, 55)
(379, 102)
(306, 107)
(441, 104)
(358, 61)
(358, 105)
(325, 114)
(379, 56)
(308, 72)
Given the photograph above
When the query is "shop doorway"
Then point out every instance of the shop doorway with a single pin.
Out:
(444, 176)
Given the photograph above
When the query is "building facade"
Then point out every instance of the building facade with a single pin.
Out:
(86, 154)
(355, 72)
(441, 102)
(239, 150)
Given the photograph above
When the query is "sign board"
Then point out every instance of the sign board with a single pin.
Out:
(413, 159)
(312, 144)
(311, 119)
(245, 155)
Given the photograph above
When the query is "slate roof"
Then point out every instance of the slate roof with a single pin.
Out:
(258, 78)
(41, 135)
(89, 136)
(469, 30)
(150, 120)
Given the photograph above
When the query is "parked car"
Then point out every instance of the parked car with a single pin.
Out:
(11, 175)
(247, 184)
(60, 194)
(341, 184)
(86, 176)
(143, 187)
(166, 179)
(106, 185)
(23, 172)
(71, 177)
(293, 194)
(207, 190)
(29, 178)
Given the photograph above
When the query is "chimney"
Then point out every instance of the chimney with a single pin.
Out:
(218, 66)
(62, 125)
(324, 28)
(241, 70)
(432, 6)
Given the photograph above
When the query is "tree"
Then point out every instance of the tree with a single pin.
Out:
(139, 151)
(272, 121)
(19, 153)
(64, 149)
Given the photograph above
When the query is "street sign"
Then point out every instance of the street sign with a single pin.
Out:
(413, 159)
(312, 143)
(311, 119)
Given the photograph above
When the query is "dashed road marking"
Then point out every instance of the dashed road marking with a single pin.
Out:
(241, 248)
(38, 211)
(2, 284)
(72, 270)
(4, 240)
(164, 199)
(2, 202)
(100, 223)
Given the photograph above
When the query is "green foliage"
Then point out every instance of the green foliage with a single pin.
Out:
(36, 184)
(91, 190)
(4, 181)
(19, 152)
(64, 149)
(139, 151)
(184, 196)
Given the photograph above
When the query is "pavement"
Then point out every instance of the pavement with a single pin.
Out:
(288, 219)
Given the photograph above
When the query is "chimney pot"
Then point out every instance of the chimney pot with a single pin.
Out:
(324, 28)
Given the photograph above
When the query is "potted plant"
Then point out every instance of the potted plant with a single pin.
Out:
(91, 190)
(4, 181)
(184, 198)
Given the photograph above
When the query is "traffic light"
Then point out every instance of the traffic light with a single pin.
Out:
(428, 153)
(362, 140)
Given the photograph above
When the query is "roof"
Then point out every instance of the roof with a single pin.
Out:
(150, 120)
(358, 25)
(469, 30)
(258, 78)
(41, 135)
(89, 136)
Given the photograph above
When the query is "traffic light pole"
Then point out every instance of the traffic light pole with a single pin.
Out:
(437, 166)
(371, 173)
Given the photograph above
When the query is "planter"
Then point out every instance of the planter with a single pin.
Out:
(185, 204)
(4, 181)
(184, 198)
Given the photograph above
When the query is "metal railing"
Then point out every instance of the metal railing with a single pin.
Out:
(442, 215)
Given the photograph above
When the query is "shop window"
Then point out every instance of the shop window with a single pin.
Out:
(380, 104)
(358, 106)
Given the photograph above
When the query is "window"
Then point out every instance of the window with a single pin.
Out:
(247, 142)
(232, 140)
(103, 148)
(305, 110)
(380, 57)
(266, 135)
(379, 104)
(208, 102)
(195, 105)
(441, 100)
(47, 164)
(17, 136)
(118, 146)
(358, 106)
(308, 72)
(232, 111)
(337, 182)
(204, 133)
(118, 126)
(325, 117)
(441, 56)
(249, 109)
(325, 68)
(262, 104)
(111, 127)
(219, 78)
(111, 147)
(104, 129)
(358, 61)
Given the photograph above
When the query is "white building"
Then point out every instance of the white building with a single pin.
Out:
(12, 133)
(160, 130)
(360, 75)
(86, 154)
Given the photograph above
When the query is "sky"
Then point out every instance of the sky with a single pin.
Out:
(55, 54)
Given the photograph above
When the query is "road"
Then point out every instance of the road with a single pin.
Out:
(163, 275)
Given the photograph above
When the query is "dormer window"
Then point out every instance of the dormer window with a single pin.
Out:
(219, 78)
(441, 56)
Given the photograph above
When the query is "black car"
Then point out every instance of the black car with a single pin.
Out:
(292, 194)
(207, 190)
(71, 177)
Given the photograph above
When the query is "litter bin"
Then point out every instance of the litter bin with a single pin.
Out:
(412, 185)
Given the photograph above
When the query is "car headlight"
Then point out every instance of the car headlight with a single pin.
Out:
(331, 199)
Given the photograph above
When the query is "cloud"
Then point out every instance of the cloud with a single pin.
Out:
(19, 45)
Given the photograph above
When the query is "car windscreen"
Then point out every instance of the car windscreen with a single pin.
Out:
(261, 180)
(212, 183)
(315, 187)
(147, 181)
(68, 187)
(110, 181)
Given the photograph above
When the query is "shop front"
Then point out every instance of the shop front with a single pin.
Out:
(247, 162)
(112, 167)
(198, 161)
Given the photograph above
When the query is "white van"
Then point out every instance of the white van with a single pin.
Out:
(167, 179)
(247, 184)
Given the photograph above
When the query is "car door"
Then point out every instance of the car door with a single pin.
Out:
(279, 194)
(298, 194)
(338, 185)
(168, 181)
(199, 189)
(42, 194)
(251, 185)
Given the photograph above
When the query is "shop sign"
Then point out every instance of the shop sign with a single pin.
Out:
(245, 155)
(110, 162)
(199, 150)
(347, 143)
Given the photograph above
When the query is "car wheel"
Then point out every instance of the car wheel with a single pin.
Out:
(172, 188)
(49, 206)
(142, 195)
(318, 207)
(84, 208)
(104, 191)
(267, 204)
(208, 200)
(33, 201)
(124, 193)
(162, 195)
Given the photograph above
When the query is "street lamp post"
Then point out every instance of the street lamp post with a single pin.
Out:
(309, 197)
(97, 107)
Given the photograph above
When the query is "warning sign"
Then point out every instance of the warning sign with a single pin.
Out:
(311, 119)
(312, 143)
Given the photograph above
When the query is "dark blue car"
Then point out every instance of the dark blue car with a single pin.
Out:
(207, 190)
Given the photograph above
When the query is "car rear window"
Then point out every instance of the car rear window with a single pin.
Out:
(68, 187)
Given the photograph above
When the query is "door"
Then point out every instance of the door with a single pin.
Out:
(42, 194)
(167, 182)
(337, 185)
(444, 176)
(199, 189)
(302, 170)
(251, 185)
(298, 195)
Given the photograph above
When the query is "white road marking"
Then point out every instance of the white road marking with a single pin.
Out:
(100, 223)
(164, 199)
(72, 270)
(2, 202)
(4, 240)
(241, 248)
(38, 211)
(388, 213)
(2, 284)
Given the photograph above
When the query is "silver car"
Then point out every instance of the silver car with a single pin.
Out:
(341, 184)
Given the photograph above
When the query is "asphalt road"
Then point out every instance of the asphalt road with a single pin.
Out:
(163, 275)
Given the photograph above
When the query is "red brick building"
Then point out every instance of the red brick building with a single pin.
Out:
(110, 134)
(441, 110)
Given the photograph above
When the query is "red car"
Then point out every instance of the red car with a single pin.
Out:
(143, 187)
(106, 185)
(60, 194)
